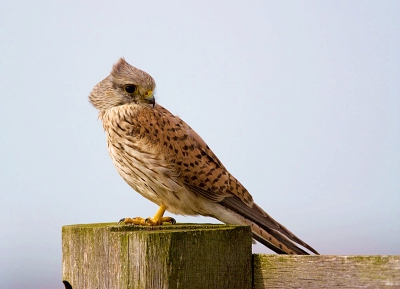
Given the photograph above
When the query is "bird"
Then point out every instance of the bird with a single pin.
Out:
(162, 158)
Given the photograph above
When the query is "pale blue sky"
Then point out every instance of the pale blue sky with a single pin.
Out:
(299, 99)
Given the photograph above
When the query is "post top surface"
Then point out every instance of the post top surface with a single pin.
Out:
(115, 227)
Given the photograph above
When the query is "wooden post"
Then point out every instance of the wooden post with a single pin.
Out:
(108, 256)
(205, 256)
(277, 271)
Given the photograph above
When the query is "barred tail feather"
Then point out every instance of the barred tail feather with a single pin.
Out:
(265, 229)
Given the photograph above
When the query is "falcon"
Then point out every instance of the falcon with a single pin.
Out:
(166, 161)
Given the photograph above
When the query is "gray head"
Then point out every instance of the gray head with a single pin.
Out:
(125, 84)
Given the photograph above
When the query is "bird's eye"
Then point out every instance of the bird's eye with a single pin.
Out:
(130, 88)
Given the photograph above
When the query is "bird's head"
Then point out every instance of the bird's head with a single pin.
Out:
(125, 84)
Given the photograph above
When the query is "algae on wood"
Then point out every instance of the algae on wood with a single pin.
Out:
(170, 256)
(205, 256)
(277, 271)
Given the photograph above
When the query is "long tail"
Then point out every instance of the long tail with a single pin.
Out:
(265, 229)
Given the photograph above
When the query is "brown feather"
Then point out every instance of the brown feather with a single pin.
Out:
(166, 161)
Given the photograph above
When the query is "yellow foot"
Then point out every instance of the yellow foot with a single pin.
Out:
(156, 220)
(147, 222)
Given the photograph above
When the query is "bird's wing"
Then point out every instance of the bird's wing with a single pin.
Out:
(200, 169)
(204, 174)
(266, 223)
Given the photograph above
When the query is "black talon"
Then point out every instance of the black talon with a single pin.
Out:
(121, 221)
(173, 221)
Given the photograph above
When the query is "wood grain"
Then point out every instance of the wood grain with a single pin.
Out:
(108, 256)
(277, 271)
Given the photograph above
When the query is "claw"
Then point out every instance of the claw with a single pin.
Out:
(134, 221)
(156, 220)
(168, 220)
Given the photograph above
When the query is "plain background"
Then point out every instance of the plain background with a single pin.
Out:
(299, 99)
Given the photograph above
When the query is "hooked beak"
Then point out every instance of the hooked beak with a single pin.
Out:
(152, 101)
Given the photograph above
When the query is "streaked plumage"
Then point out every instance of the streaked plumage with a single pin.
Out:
(167, 162)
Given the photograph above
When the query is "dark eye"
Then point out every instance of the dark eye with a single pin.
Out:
(130, 88)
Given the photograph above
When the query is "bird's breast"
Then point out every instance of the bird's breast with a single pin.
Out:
(147, 165)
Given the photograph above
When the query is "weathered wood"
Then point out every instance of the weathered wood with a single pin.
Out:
(277, 271)
(205, 256)
(106, 256)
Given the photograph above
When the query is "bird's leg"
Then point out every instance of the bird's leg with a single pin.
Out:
(159, 218)
(156, 220)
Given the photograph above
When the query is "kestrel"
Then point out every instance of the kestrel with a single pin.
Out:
(167, 162)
